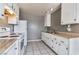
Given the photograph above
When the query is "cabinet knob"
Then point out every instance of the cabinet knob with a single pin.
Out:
(52, 40)
(66, 48)
(2, 15)
(14, 9)
(15, 48)
(52, 46)
(62, 41)
(55, 38)
(56, 42)
(74, 19)
(59, 44)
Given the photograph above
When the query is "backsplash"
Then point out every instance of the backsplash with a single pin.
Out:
(56, 19)
(4, 29)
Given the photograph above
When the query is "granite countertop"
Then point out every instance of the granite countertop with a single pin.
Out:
(7, 41)
(5, 44)
(68, 34)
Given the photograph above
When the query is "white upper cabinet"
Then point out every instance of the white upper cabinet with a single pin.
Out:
(10, 11)
(77, 11)
(1, 10)
(15, 9)
(69, 13)
(12, 6)
(47, 19)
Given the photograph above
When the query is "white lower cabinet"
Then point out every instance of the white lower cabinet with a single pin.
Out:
(74, 46)
(55, 46)
(62, 45)
(62, 50)
(13, 50)
(56, 43)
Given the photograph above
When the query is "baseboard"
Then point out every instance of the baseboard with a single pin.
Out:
(34, 40)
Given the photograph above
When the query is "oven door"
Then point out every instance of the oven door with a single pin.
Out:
(21, 46)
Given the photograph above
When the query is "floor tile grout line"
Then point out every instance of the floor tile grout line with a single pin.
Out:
(32, 48)
(38, 46)
(39, 49)
(46, 50)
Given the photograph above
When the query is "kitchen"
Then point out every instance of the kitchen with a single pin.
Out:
(39, 29)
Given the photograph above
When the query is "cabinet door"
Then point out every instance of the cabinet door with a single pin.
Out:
(10, 5)
(53, 42)
(12, 51)
(67, 13)
(1, 10)
(43, 36)
(48, 35)
(47, 20)
(55, 46)
(63, 41)
(74, 46)
(17, 12)
(77, 11)
(61, 45)
(12, 20)
(62, 49)
(14, 8)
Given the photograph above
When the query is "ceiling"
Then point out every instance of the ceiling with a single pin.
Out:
(38, 9)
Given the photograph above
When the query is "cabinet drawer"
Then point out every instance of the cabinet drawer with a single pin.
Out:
(63, 40)
(12, 51)
(62, 50)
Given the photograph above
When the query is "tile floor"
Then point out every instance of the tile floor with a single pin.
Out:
(38, 48)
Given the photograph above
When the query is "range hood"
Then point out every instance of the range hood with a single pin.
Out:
(8, 11)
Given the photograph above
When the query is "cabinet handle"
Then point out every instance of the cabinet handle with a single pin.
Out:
(56, 42)
(15, 48)
(52, 40)
(74, 19)
(2, 15)
(66, 48)
(52, 46)
(55, 38)
(59, 44)
(62, 41)
(14, 9)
